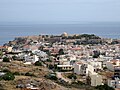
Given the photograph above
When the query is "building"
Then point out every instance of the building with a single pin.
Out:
(117, 72)
(65, 67)
(112, 64)
(80, 68)
(114, 83)
(31, 59)
(87, 68)
(96, 80)
(64, 34)
(9, 49)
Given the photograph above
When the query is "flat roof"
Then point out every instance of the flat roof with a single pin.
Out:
(64, 65)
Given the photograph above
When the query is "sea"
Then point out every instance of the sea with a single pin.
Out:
(9, 31)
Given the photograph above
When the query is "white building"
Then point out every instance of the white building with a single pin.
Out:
(80, 68)
(112, 64)
(65, 67)
(9, 49)
(87, 68)
(114, 83)
(90, 70)
(96, 79)
(31, 59)
(77, 68)
(109, 66)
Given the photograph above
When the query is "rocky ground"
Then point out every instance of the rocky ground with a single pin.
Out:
(38, 79)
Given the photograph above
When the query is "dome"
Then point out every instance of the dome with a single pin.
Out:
(65, 34)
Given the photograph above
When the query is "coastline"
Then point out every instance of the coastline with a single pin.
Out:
(11, 30)
(6, 39)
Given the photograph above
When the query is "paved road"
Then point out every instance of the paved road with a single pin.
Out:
(59, 75)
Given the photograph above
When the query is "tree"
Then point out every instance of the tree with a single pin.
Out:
(41, 48)
(72, 76)
(29, 74)
(6, 59)
(51, 76)
(88, 80)
(14, 57)
(0, 79)
(51, 66)
(47, 52)
(105, 68)
(48, 60)
(8, 76)
(38, 63)
(96, 54)
(6, 70)
(1, 54)
(61, 52)
(16, 73)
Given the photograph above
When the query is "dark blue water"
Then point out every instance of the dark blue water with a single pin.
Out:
(10, 31)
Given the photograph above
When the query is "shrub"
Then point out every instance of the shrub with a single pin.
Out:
(29, 74)
(51, 66)
(105, 68)
(6, 70)
(1, 54)
(51, 76)
(104, 87)
(48, 60)
(8, 76)
(38, 63)
(95, 56)
(72, 76)
(14, 57)
(0, 78)
(61, 52)
(78, 84)
(6, 59)
(16, 73)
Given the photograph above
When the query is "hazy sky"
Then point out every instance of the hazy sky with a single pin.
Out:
(59, 10)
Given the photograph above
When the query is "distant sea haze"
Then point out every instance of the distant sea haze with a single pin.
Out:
(9, 31)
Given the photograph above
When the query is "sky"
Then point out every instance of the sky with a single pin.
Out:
(45, 11)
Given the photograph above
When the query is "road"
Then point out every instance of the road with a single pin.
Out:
(59, 75)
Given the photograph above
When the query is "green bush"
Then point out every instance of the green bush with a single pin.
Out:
(14, 57)
(51, 76)
(72, 76)
(105, 68)
(16, 73)
(61, 52)
(8, 76)
(48, 60)
(51, 66)
(1, 54)
(6, 59)
(80, 83)
(0, 78)
(6, 70)
(38, 63)
(29, 74)
(95, 56)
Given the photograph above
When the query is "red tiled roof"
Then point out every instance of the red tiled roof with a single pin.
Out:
(79, 63)
(2, 47)
(113, 61)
